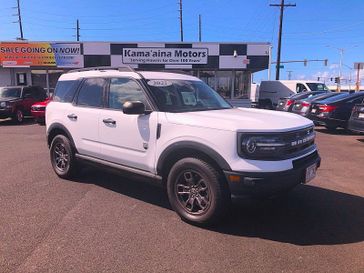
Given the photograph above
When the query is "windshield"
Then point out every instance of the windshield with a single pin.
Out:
(9, 92)
(186, 96)
(317, 86)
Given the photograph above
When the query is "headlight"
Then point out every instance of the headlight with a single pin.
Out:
(275, 146)
(3, 104)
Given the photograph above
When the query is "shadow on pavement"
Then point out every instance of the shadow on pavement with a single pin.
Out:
(338, 131)
(9, 122)
(306, 216)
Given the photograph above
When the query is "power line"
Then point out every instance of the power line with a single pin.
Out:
(282, 6)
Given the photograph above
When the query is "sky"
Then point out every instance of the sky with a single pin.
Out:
(314, 29)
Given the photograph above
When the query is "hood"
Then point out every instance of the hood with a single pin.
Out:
(42, 103)
(8, 99)
(241, 119)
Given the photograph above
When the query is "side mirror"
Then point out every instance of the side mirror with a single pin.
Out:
(133, 108)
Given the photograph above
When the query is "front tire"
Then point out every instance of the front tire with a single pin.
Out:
(18, 116)
(197, 192)
(62, 157)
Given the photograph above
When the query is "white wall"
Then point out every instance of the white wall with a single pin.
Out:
(5, 77)
(8, 75)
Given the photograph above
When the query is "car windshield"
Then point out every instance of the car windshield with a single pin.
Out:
(317, 86)
(334, 98)
(9, 92)
(186, 96)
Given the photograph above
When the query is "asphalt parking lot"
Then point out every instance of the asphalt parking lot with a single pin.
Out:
(105, 223)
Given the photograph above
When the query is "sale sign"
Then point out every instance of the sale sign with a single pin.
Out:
(40, 55)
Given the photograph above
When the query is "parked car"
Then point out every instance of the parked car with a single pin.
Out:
(286, 104)
(271, 91)
(175, 130)
(335, 111)
(16, 101)
(302, 107)
(38, 111)
(356, 121)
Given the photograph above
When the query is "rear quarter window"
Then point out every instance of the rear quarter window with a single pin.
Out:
(65, 91)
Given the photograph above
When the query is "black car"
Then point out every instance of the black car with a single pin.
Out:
(16, 101)
(356, 121)
(302, 107)
(335, 111)
(286, 104)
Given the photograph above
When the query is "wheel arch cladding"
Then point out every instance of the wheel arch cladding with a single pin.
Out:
(58, 129)
(183, 149)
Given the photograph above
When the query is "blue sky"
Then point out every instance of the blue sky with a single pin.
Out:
(312, 29)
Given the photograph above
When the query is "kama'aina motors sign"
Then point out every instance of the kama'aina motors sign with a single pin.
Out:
(153, 55)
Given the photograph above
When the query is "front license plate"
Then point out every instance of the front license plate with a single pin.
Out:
(310, 173)
(361, 115)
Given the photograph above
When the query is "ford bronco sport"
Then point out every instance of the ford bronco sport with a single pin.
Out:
(174, 129)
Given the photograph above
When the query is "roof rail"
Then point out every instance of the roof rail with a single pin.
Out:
(101, 68)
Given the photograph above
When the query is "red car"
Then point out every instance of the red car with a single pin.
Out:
(38, 111)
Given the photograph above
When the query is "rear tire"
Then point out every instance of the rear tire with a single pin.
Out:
(63, 157)
(197, 192)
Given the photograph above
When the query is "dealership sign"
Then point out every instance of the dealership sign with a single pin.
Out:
(40, 54)
(153, 55)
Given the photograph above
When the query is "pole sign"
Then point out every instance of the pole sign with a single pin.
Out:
(40, 55)
(359, 65)
(153, 55)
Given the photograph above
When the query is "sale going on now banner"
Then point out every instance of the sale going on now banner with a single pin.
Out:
(40, 55)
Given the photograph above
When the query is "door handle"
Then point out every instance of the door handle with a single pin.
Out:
(72, 116)
(109, 121)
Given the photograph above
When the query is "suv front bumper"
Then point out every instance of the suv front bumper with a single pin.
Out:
(270, 183)
(6, 113)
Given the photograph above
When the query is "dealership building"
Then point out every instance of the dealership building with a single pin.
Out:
(226, 67)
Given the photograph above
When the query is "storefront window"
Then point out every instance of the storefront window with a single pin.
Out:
(242, 84)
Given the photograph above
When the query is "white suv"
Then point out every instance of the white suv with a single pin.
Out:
(174, 129)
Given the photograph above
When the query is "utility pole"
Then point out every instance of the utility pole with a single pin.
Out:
(199, 28)
(78, 30)
(180, 20)
(282, 6)
(19, 20)
(289, 74)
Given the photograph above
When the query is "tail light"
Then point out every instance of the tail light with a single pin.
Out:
(327, 108)
(289, 103)
(305, 104)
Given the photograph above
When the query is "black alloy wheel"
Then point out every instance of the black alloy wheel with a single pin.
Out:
(197, 191)
(192, 192)
(62, 157)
